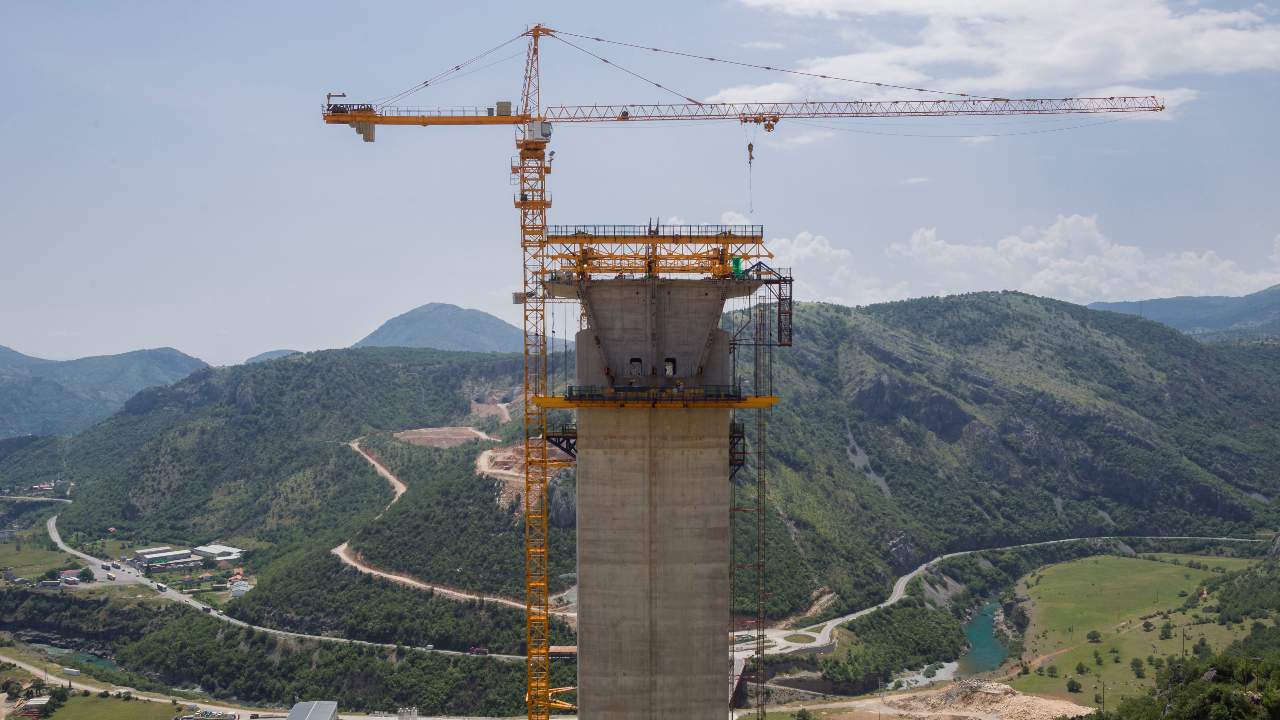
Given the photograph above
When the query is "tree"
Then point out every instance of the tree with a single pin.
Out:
(1148, 626)
(1082, 669)
(803, 715)
(85, 575)
(1094, 636)
(1073, 685)
(1052, 671)
(1166, 631)
(1136, 664)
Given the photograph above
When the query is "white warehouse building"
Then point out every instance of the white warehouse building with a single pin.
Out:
(218, 552)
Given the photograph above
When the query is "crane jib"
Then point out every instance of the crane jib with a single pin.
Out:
(764, 113)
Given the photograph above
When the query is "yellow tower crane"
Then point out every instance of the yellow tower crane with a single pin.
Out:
(601, 253)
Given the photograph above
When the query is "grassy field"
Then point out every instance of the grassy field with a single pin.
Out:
(13, 672)
(96, 708)
(1226, 563)
(34, 557)
(1111, 595)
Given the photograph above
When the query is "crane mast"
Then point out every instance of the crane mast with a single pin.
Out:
(601, 252)
(530, 169)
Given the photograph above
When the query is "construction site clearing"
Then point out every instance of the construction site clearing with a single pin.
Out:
(506, 464)
(974, 698)
(443, 437)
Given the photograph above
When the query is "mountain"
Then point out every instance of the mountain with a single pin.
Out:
(1211, 318)
(447, 327)
(271, 355)
(918, 427)
(48, 397)
(906, 430)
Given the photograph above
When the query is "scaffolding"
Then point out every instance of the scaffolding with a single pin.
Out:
(761, 323)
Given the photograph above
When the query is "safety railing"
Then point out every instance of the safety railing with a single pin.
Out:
(718, 393)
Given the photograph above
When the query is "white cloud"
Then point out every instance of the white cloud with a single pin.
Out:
(824, 272)
(915, 181)
(762, 45)
(770, 92)
(1013, 46)
(729, 217)
(799, 140)
(977, 139)
(1072, 260)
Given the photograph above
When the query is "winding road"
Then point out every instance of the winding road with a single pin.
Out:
(822, 636)
(128, 576)
(351, 557)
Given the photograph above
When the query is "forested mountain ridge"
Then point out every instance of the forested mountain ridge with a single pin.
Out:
(56, 397)
(905, 430)
(912, 428)
(446, 327)
(1252, 316)
(253, 451)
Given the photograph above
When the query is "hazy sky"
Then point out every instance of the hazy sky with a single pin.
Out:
(167, 179)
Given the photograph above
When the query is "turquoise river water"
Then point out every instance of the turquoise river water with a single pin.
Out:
(986, 652)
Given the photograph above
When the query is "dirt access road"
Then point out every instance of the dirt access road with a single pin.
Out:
(352, 559)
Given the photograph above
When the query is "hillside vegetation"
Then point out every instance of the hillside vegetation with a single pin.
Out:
(162, 645)
(50, 397)
(906, 430)
(912, 428)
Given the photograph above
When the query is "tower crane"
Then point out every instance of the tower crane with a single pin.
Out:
(544, 253)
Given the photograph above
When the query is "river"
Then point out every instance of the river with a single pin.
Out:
(986, 652)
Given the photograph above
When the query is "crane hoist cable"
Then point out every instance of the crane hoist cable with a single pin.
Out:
(438, 77)
(770, 68)
(628, 71)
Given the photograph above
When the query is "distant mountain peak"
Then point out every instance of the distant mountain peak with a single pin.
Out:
(271, 355)
(54, 397)
(1211, 317)
(446, 327)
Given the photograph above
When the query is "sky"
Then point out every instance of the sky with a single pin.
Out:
(167, 179)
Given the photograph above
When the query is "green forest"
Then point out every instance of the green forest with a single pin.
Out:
(316, 594)
(906, 635)
(461, 537)
(906, 430)
(167, 645)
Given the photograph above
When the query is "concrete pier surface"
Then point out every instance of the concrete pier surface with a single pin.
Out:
(653, 503)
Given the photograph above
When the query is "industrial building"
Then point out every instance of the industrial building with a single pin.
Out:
(314, 710)
(220, 553)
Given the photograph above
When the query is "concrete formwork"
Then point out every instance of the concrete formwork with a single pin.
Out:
(653, 505)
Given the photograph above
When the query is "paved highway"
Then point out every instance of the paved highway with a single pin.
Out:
(822, 636)
(129, 576)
